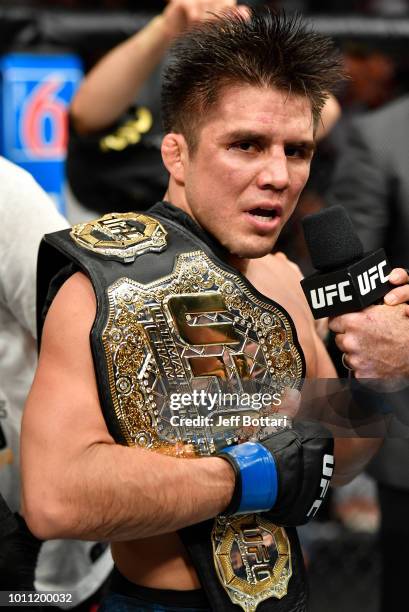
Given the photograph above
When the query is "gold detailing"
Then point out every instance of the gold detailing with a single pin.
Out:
(252, 558)
(182, 309)
(128, 134)
(201, 329)
(152, 349)
(121, 236)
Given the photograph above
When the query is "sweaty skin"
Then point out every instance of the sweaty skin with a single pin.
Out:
(253, 152)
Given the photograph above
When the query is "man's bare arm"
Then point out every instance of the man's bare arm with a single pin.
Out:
(76, 481)
(114, 83)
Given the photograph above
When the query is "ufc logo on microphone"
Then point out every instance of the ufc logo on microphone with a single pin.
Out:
(325, 296)
(367, 280)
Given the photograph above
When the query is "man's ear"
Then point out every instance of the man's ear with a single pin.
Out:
(175, 155)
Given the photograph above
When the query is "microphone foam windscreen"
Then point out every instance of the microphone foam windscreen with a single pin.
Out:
(331, 238)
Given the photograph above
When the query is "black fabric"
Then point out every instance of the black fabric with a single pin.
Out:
(8, 522)
(19, 551)
(331, 239)
(299, 454)
(394, 542)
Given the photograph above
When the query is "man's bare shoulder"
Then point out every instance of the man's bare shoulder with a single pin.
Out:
(64, 388)
(280, 262)
(73, 307)
(279, 279)
(77, 288)
(278, 276)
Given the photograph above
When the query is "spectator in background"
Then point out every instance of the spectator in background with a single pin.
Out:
(26, 214)
(372, 179)
(372, 182)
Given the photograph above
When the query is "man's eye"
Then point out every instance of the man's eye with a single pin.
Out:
(295, 151)
(244, 146)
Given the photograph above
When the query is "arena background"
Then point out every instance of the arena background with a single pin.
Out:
(44, 49)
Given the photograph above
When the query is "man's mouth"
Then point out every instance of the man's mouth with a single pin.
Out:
(264, 214)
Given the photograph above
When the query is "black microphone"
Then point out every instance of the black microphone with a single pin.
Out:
(347, 279)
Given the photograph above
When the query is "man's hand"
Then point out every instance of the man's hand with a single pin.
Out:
(286, 474)
(182, 14)
(117, 79)
(400, 294)
(375, 341)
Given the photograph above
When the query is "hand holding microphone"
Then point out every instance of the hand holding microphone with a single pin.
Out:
(373, 338)
(347, 279)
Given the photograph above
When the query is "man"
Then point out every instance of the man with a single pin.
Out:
(241, 102)
(371, 179)
(26, 213)
(371, 182)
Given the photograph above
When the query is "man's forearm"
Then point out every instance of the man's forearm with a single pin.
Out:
(120, 493)
(113, 84)
(351, 457)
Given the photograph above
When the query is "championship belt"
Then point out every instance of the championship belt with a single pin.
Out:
(188, 357)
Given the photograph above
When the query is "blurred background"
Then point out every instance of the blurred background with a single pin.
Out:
(46, 48)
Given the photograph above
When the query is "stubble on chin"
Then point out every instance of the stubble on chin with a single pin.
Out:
(253, 248)
(250, 252)
(241, 247)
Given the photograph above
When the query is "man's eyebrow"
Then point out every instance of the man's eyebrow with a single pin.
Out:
(245, 135)
(308, 145)
(237, 135)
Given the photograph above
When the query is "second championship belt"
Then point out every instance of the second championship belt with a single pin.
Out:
(188, 357)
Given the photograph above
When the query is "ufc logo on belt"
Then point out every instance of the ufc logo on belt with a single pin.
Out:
(187, 311)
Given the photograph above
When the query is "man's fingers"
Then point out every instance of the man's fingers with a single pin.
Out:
(336, 324)
(244, 11)
(199, 10)
(398, 276)
(398, 295)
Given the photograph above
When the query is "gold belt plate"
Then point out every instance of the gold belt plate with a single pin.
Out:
(252, 557)
(202, 328)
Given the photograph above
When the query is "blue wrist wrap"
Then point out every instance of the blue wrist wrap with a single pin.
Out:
(258, 473)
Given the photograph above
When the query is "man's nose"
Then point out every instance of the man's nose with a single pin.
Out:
(274, 173)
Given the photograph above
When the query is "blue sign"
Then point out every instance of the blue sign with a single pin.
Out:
(36, 91)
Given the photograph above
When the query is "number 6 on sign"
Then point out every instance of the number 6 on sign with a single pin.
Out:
(43, 125)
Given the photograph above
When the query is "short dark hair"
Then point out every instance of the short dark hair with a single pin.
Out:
(267, 49)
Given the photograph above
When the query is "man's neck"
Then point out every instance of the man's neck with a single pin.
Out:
(239, 263)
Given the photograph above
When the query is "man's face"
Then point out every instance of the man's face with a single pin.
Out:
(251, 162)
